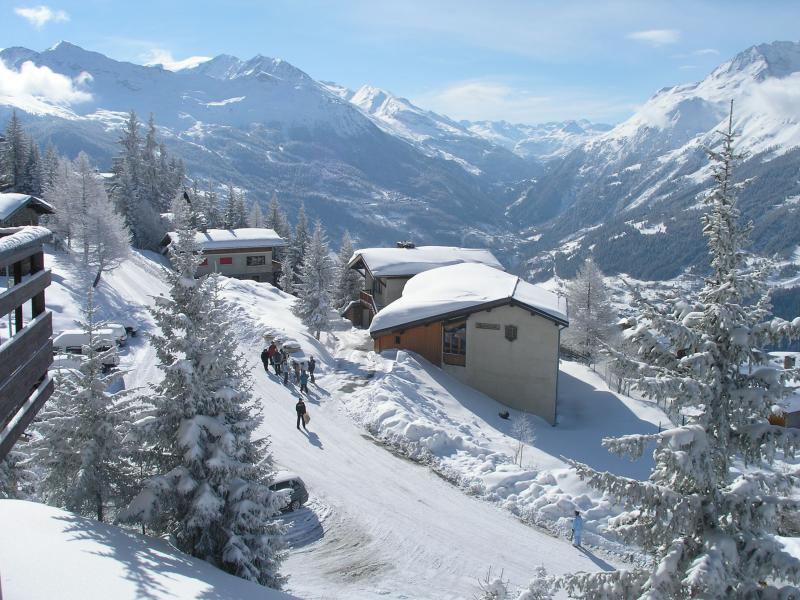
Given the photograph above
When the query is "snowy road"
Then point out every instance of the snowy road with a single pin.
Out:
(392, 528)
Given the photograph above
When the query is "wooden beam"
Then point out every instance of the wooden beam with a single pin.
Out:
(21, 348)
(16, 390)
(17, 295)
(11, 433)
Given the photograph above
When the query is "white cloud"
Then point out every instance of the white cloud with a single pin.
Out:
(656, 37)
(159, 56)
(39, 16)
(42, 83)
(706, 52)
(477, 100)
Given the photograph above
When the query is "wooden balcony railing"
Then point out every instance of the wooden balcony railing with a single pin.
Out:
(26, 352)
(368, 299)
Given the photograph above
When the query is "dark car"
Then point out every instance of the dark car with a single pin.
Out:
(290, 481)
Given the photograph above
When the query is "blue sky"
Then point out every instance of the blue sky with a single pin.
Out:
(519, 61)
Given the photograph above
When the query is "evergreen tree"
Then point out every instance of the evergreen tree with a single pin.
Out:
(277, 221)
(64, 194)
(17, 478)
(313, 304)
(49, 167)
(286, 281)
(300, 240)
(707, 522)
(210, 489)
(347, 284)
(211, 205)
(256, 216)
(590, 312)
(32, 173)
(14, 155)
(235, 212)
(79, 439)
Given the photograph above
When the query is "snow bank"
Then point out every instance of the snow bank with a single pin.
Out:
(428, 416)
(50, 553)
(460, 287)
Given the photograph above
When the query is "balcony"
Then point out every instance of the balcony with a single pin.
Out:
(26, 352)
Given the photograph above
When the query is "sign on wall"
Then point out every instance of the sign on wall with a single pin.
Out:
(495, 326)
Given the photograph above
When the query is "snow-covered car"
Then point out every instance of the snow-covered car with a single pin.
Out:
(298, 494)
(119, 333)
(72, 342)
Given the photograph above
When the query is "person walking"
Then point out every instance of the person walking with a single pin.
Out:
(577, 529)
(265, 359)
(303, 381)
(312, 364)
(272, 351)
(276, 362)
(300, 407)
(296, 366)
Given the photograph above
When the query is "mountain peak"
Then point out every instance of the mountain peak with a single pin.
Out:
(777, 59)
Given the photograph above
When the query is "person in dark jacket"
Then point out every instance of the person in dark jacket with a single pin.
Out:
(276, 362)
(284, 370)
(312, 364)
(265, 359)
(300, 407)
(303, 381)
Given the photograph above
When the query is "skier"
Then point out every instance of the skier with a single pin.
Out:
(577, 529)
(265, 359)
(312, 364)
(300, 407)
(303, 381)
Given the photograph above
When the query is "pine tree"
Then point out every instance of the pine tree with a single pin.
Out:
(300, 240)
(211, 205)
(347, 284)
(313, 304)
(49, 167)
(707, 522)
(286, 281)
(14, 155)
(17, 478)
(210, 488)
(256, 216)
(32, 173)
(590, 312)
(235, 212)
(79, 439)
(277, 221)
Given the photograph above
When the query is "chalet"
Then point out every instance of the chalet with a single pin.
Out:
(387, 270)
(489, 329)
(17, 210)
(241, 253)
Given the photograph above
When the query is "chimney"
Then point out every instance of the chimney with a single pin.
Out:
(406, 245)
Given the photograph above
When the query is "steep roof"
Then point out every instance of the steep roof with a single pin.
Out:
(398, 262)
(11, 203)
(226, 239)
(462, 289)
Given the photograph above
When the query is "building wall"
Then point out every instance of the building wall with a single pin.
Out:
(394, 288)
(425, 340)
(238, 267)
(522, 374)
(25, 216)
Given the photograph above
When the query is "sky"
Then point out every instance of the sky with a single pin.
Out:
(519, 61)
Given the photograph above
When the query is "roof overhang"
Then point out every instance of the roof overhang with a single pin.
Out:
(463, 312)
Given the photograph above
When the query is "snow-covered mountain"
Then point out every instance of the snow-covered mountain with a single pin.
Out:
(265, 125)
(632, 194)
(542, 142)
(438, 135)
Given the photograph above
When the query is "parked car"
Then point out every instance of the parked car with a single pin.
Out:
(72, 341)
(298, 495)
(119, 333)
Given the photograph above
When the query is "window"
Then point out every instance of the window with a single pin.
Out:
(226, 260)
(256, 261)
(454, 343)
(397, 339)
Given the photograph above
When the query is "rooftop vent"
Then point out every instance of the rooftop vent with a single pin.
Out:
(407, 245)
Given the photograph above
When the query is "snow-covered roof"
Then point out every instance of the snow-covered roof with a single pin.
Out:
(461, 289)
(397, 262)
(13, 239)
(11, 203)
(224, 239)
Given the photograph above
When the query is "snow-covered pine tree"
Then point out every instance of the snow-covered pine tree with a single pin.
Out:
(235, 213)
(347, 281)
(286, 280)
(13, 156)
(313, 302)
(211, 206)
(32, 173)
(79, 442)
(209, 490)
(256, 216)
(17, 479)
(708, 512)
(277, 221)
(64, 194)
(591, 315)
(299, 243)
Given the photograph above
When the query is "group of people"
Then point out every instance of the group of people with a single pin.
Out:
(280, 362)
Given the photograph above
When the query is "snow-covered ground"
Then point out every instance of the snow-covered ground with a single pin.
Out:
(379, 524)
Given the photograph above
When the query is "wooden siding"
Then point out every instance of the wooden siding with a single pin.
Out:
(425, 340)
